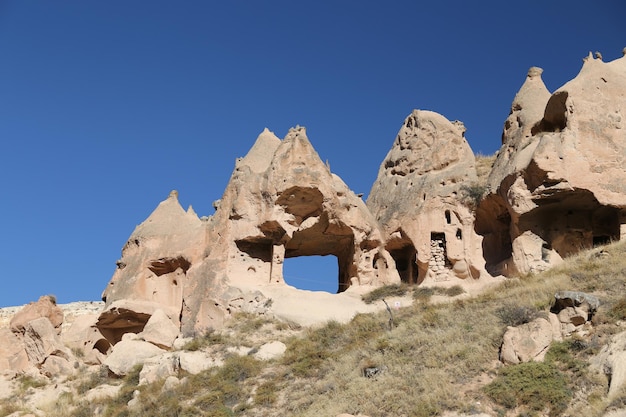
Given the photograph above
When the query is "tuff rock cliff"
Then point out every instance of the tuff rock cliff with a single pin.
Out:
(559, 181)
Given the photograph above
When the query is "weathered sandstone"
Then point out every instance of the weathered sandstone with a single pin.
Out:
(559, 181)
(421, 200)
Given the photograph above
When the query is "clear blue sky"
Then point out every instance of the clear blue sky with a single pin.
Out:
(106, 106)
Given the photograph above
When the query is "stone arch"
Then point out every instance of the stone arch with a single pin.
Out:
(326, 238)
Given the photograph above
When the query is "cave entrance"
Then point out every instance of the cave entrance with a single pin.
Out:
(313, 273)
(406, 265)
(404, 254)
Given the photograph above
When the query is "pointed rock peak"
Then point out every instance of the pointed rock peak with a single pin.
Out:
(297, 132)
(260, 155)
(296, 147)
(268, 136)
(168, 217)
(533, 95)
(297, 129)
(535, 72)
(191, 211)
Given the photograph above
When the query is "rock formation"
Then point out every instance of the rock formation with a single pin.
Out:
(281, 201)
(421, 199)
(559, 181)
(32, 343)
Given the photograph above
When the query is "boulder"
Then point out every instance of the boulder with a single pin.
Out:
(13, 356)
(527, 342)
(271, 350)
(574, 309)
(158, 368)
(41, 341)
(129, 316)
(611, 361)
(128, 353)
(559, 180)
(424, 197)
(44, 307)
(196, 362)
(171, 382)
(160, 330)
(103, 391)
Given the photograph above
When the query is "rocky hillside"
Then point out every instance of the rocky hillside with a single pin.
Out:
(465, 285)
(444, 354)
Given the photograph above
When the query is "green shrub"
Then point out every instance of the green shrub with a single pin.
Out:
(94, 380)
(305, 357)
(535, 385)
(208, 338)
(514, 315)
(471, 195)
(454, 291)
(423, 293)
(27, 381)
(618, 310)
(265, 394)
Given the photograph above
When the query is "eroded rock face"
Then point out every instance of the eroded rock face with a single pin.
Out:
(282, 201)
(44, 307)
(291, 205)
(417, 198)
(157, 257)
(559, 181)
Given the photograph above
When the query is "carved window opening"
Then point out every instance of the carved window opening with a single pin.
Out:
(448, 217)
(312, 273)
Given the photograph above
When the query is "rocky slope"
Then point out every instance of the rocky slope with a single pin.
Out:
(556, 188)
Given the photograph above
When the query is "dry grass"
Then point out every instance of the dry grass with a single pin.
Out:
(427, 363)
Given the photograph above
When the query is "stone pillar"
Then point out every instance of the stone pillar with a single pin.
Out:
(622, 231)
(276, 270)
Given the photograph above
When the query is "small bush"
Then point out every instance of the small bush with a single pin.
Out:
(423, 293)
(471, 195)
(238, 368)
(535, 385)
(514, 315)
(94, 380)
(618, 310)
(210, 337)
(454, 291)
(305, 357)
(266, 394)
(393, 290)
(27, 381)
